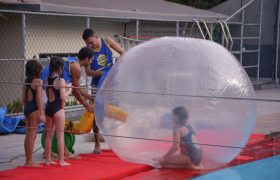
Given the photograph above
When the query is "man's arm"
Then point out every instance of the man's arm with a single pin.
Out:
(92, 73)
(76, 75)
(86, 95)
(114, 45)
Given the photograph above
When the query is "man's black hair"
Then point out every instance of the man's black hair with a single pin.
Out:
(88, 33)
(85, 52)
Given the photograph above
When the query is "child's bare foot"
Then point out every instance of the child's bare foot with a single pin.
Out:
(198, 167)
(49, 162)
(156, 164)
(32, 164)
(72, 156)
(63, 163)
(44, 155)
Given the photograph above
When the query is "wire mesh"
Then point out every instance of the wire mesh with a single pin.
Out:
(10, 70)
(245, 28)
(11, 46)
(277, 50)
(51, 35)
(150, 29)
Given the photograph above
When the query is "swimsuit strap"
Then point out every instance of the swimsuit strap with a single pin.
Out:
(33, 91)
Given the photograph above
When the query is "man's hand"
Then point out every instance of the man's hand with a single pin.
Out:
(89, 107)
(68, 88)
(43, 118)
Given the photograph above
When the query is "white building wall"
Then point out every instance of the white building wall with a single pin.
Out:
(106, 27)
(10, 48)
(10, 36)
(58, 34)
(44, 34)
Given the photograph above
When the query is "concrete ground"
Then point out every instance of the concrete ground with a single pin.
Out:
(11, 147)
(268, 113)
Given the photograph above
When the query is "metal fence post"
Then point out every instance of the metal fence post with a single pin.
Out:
(23, 36)
(211, 29)
(259, 45)
(87, 26)
(177, 28)
(137, 29)
(241, 36)
(277, 45)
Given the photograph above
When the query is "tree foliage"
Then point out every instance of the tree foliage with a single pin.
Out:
(202, 4)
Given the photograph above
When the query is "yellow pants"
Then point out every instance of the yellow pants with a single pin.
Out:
(85, 124)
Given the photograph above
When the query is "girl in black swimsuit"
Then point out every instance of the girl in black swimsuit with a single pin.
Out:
(184, 138)
(33, 110)
(56, 93)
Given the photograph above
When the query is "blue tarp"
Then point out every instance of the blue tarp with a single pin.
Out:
(267, 169)
(14, 124)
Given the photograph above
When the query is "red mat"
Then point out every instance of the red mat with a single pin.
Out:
(258, 147)
(90, 166)
(109, 166)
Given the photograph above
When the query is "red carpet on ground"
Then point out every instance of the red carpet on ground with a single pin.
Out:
(109, 166)
(90, 166)
(258, 147)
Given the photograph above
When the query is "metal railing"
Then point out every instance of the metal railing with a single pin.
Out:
(28, 42)
(243, 25)
(127, 43)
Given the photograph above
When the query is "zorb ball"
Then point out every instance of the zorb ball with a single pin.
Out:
(153, 78)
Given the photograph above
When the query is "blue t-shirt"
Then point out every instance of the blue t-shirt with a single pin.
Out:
(67, 76)
(102, 61)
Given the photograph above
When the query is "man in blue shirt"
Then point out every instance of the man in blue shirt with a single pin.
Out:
(101, 64)
(72, 74)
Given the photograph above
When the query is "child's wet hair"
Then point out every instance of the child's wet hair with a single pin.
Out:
(182, 114)
(55, 64)
(33, 70)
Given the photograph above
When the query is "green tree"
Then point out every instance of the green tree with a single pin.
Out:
(202, 4)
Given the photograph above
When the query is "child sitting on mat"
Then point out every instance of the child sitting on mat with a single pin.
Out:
(185, 138)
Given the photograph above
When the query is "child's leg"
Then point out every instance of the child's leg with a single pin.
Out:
(28, 155)
(45, 137)
(34, 122)
(31, 123)
(49, 136)
(177, 162)
(69, 155)
(59, 120)
(44, 152)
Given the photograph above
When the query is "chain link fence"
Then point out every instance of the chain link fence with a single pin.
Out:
(11, 79)
(12, 71)
(11, 36)
(42, 35)
(151, 29)
(245, 28)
